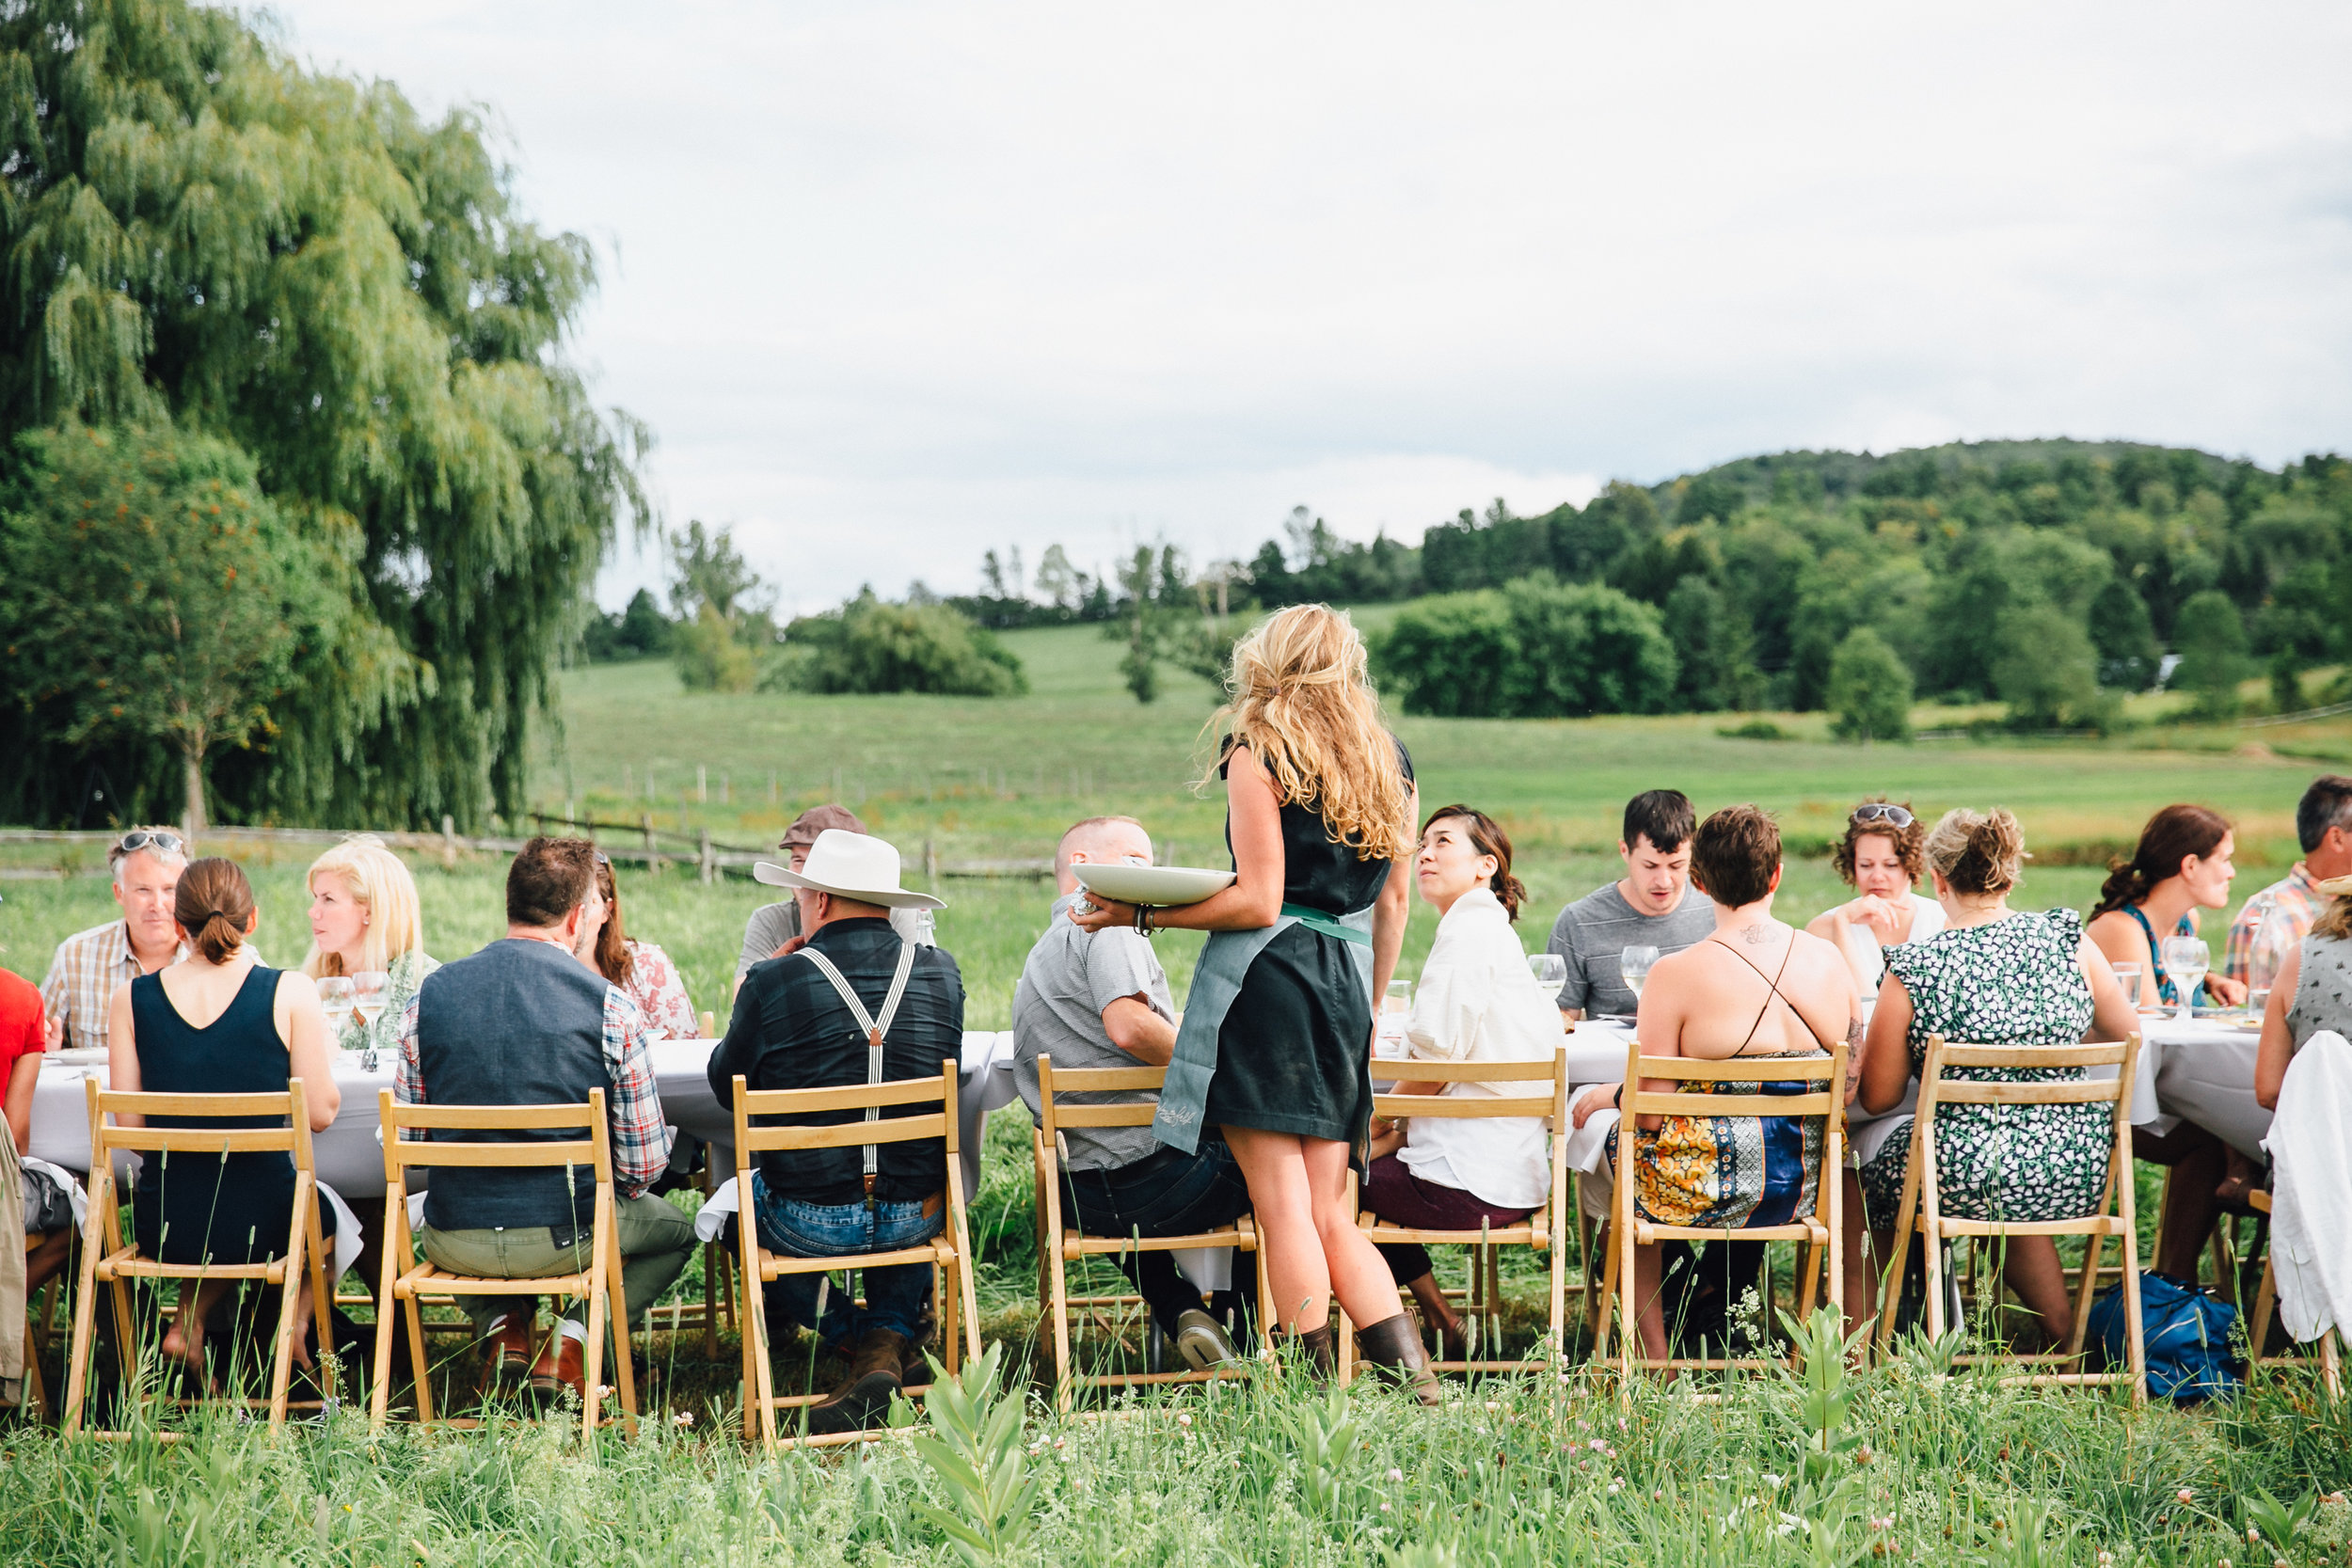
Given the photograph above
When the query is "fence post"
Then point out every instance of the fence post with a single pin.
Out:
(702, 784)
(930, 864)
(449, 842)
(644, 826)
(709, 858)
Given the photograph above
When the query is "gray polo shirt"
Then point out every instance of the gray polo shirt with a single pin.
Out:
(1593, 931)
(1070, 977)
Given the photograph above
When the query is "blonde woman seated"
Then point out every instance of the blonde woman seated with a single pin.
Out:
(1880, 857)
(365, 918)
(643, 971)
(1477, 1002)
(1996, 976)
(1754, 987)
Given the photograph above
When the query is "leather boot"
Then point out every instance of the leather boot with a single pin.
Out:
(864, 1398)
(1392, 1349)
(1313, 1350)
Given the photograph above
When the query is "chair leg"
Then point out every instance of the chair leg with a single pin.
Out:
(2265, 1300)
(626, 1370)
(282, 1356)
(592, 1396)
(1606, 1280)
(413, 1311)
(1065, 1371)
(2330, 1369)
(85, 1324)
(1556, 1331)
(2094, 1249)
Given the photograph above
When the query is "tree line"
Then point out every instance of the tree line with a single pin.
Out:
(300, 498)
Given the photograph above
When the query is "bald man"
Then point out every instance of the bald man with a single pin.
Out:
(1101, 1000)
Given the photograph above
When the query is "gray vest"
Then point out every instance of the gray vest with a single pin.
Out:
(520, 1023)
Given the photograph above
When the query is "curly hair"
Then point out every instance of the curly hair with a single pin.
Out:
(1910, 842)
(1299, 697)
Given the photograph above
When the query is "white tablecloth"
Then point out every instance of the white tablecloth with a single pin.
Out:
(351, 1158)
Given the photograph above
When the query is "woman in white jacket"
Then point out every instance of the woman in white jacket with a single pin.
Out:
(1477, 1002)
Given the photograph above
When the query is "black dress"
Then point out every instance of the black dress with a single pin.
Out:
(222, 1209)
(1294, 1054)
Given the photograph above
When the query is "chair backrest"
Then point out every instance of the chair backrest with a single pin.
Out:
(1552, 1105)
(750, 1103)
(293, 1138)
(1828, 1070)
(592, 1148)
(1053, 1082)
(1937, 1089)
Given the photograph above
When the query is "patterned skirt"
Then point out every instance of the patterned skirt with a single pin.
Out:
(1728, 1172)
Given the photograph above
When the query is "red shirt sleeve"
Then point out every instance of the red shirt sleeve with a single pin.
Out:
(23, 1025)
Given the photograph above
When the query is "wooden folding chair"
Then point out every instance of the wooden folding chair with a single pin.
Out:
(109, 1261)
(1547, 1229)
(1061, 1242)
(1819, 1230)
(2266, 1302)
(407, 1279)
(949, 1254)
(1920, 1208)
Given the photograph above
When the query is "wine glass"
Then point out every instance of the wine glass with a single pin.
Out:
(1634, 964)
(369, 992)
(1551, 973)
(2187, 958)
(335, 997)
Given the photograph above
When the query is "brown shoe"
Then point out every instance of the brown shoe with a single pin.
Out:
(1391, 1349)
(506, 1354)
(1313, 1352)
(863, 1398)
(558, 1368)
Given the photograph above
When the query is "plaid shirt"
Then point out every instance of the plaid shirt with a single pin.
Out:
(2272, 925)
(640, 1138)
(82, 978)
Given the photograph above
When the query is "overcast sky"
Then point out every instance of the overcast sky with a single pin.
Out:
(897, 282)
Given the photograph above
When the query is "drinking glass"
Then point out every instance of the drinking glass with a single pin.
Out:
(1634, 964)
(367, 995)
(2127, 977)
(2186, 959)
(1551, 975)
(1395, 1008)
(335, 997)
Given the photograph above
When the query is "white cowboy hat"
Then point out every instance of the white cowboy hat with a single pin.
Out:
(851, 866)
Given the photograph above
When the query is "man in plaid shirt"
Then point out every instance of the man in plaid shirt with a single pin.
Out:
(88, 965)
(2275, 921)
(525, 1023)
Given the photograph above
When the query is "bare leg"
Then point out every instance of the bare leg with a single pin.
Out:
(184, 1339)
(1358, 1272)
(1274, 1165)
(2033, 1272)
(2190, 1206)
(47, 1261)
(2240, 1177)
(1435, 1308)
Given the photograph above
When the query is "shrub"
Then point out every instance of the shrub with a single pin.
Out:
(871, 645)
(2047, 670)
(2210, 637)
(1869, 689)
(1538, 649)
(711, 654)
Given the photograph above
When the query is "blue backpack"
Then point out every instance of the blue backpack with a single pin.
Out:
(2187, 1331)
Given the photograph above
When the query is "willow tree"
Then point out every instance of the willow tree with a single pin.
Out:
(197, 231)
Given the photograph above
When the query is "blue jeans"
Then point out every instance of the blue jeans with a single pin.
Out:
(893, 1294)
(1164, 1194)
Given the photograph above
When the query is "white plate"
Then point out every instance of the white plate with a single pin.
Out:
(1157, 885)
(80, 1055)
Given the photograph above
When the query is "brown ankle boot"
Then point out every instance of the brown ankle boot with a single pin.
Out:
(1313, 1350)
(1392, 1349)
(864, 1398)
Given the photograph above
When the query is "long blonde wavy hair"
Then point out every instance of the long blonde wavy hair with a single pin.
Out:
(380, 880)
(1299, 696)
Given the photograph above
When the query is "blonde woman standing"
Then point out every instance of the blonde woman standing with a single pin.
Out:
(364, 919)
(1275, 1049)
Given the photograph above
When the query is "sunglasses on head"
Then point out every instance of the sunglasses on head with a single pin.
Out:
(132, 843)
(1878, 811)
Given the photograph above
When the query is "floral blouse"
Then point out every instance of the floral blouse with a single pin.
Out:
(659, 994)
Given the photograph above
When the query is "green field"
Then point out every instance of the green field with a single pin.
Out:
(1958, 1469)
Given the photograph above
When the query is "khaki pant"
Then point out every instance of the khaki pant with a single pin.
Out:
(656, 1241)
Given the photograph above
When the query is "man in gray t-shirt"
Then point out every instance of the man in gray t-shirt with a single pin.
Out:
(1653, 905)
(1101, 1000)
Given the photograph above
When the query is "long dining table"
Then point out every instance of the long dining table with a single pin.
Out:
(350, 1152)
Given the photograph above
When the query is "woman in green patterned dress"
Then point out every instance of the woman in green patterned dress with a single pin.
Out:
(1994, 976)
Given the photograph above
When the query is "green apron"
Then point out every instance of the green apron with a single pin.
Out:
(1217, 978)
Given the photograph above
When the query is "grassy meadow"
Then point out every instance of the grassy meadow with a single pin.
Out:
(1922, 1462)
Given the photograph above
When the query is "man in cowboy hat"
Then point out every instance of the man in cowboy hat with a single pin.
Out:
(792, 1029)
(774, 929)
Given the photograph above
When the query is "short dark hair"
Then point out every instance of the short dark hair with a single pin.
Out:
(1733, 854)
(2327, 804)
(550, 878)
(1661, 816)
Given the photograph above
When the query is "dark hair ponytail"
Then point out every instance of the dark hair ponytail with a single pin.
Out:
(213, 904)
(1488, 837)
(2172, 836)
